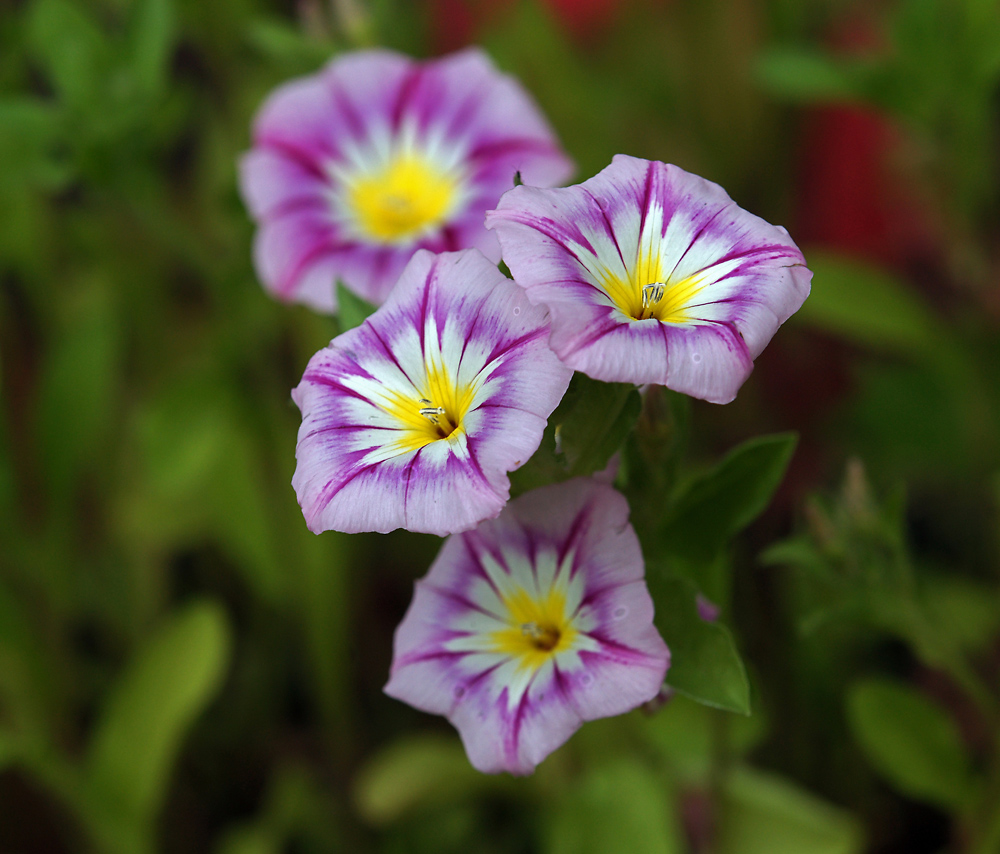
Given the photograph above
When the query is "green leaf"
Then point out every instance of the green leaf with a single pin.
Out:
(289, 46)
(592, 421)
(720, 503)
(79, 382)
(412, 775)
(151, 40)
(686, 734)
(585, 430)
(623, 806)
(351, 309)
(764, 814)
(801, 75)
(868, 306)
(704, 663)
(911, 742)
(164, 689)
(200, 474)
(72, 47)
(964, 610)
(30, 133)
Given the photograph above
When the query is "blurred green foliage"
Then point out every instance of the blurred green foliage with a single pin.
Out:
(183, 667)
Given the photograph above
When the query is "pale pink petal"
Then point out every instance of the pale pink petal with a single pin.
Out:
(727, 278)
(316, 137)
(362, 466)
(570, 550)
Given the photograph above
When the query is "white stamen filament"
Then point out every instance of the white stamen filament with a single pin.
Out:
(430, 411)
(652, 294)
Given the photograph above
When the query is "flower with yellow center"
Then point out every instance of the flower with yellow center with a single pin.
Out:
(402, 201)
(356, 167)
(414, 418)
(652, 275)
(531, 624)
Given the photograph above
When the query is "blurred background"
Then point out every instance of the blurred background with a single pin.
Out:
(184, 668)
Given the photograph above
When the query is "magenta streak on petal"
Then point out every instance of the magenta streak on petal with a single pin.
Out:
(291, 277)
(749, 254)
(456, 598)
(559, 679)
(476, 466)
(697, 235)
(507, 147)
(551, 229)
(514, 733)
(430, 281)
(472, 539)
(647, 193)
(608, 324)
(335, 485)
(387, 351)
(334, 428)
(351, 117)
(449, 239)
(576, 533)
(613, 651)
(429, 655)
(471, 682)
(607, 226)
(666, 342)
(295, 154)
(406, 475)
(405, 94)
(335, 383)
(466, 111)
(294, 206)
(747, 267)
(499, 349)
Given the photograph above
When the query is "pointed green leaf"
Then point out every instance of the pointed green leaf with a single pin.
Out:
(30, 133)
(72, 48)
(704, 663)
(164, 689)
(584, 432)
(761, 813)
(623, 806)
(715, 506)
(151, 40)
(911, 742)
(78, 386)
(868, 306)
(592, 421)
(801, 75)
(414, 774)
(351, 309)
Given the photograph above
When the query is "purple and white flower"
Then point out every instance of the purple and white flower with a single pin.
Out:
(531, 624)
(413, 419)
(652, 275)
(354, 168)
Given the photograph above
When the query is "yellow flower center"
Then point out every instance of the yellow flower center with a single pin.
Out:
(539, 627)
(404, 199)
(437, 414)
(649, 291)
(665, 301)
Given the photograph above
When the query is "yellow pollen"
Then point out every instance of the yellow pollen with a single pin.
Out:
(647, 293)
(437, 414)
(404, 199)
(539, 628)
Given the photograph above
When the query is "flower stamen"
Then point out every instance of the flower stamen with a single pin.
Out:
(430, 412)
(542, 637)
(652, 294)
